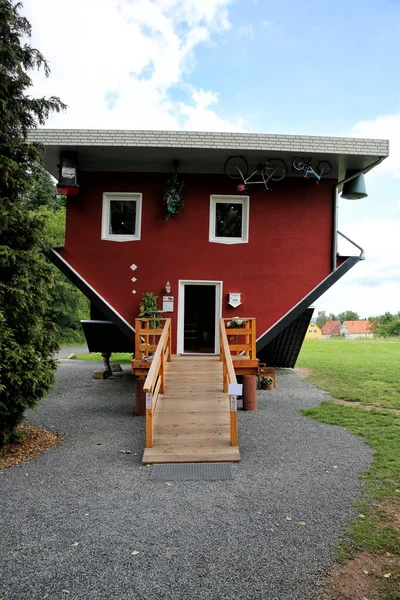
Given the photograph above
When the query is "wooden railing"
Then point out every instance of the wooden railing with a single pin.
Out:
(229, 378)
(155, 380)
(241, 340)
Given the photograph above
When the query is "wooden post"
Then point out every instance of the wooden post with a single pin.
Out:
(249, 392)
(253, 354)
(162, 372)
(140, 398)
(233, 420)
(169, 344)
(138, 324)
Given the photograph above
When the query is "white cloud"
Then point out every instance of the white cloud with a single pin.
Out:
(386, 127)
(114, 63)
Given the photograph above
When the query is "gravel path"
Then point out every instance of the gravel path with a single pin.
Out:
(192, 540)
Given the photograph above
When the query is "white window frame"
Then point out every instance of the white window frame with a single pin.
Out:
(105, 219)
(220, 199)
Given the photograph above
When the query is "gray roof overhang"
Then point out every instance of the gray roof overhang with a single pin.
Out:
(200, 152)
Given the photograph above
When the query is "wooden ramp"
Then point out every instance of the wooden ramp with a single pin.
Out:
(191, 422)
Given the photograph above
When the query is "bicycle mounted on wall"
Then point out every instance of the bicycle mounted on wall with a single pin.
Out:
(237, 167)
(323, 167)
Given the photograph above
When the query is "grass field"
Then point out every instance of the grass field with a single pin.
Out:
(367, 372)
(122, 358)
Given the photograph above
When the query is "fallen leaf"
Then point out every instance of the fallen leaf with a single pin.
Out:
(166, 483)
(288, 518)
(148, 465)
(302, 523)
(334, 467)
(365, 572)
(135, 553)
(45, 596)
(361, 516)
(387, 575)
(75, 544)
(66, 591)
(125, 452)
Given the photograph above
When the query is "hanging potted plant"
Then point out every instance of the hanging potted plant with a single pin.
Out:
(173, 199)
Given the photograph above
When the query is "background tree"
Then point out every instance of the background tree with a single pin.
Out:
(66, 305)
(321, 319)
(348, 315)
(27, 336)
(386, 325)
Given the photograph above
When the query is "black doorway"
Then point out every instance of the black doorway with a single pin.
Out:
(199, 321)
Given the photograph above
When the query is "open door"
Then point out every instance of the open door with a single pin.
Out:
(199, 314)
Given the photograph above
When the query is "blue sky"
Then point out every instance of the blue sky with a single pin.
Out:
(269, 66)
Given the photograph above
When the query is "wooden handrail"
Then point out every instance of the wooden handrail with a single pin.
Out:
(229, 377)
(155, 380)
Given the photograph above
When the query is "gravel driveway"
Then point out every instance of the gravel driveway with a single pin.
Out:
(71, 519)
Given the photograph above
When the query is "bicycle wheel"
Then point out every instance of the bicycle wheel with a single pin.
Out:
(275, 169)
(236, 167)
(324, 167)
(299, 164)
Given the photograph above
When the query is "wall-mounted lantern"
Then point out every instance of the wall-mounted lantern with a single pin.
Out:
(235, 299)
(68, 174)
(355, 188)
(168, 288)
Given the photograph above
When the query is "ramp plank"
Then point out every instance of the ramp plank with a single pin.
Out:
(191, 422)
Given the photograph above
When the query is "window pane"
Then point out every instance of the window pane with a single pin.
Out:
(122, 217)
(228, 220)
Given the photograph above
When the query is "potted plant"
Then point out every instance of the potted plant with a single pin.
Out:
(266, 382)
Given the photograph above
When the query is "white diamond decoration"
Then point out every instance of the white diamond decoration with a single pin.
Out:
(133, 267)
(133, 291)
(133, 279)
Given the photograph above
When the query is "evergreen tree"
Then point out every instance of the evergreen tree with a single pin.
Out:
(27, 337)
(43, 192)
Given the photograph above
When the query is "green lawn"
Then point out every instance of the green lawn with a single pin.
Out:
(122, 358)
(367, 372)
(364, 371)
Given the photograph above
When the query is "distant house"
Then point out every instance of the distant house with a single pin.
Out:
(331, 328)
(313, 332)
(356, 329)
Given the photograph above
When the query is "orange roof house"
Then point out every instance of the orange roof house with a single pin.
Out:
(331, 328)
(355, 329)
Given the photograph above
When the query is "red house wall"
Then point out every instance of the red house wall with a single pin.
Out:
(288, 254)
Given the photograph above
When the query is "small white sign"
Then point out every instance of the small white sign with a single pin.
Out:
(149, 398)
(68, 172)
(235, 299)
(235, 389)
(168, 304)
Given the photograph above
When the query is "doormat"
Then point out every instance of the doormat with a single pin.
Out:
(191, 472)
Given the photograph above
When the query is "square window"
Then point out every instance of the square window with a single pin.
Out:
(229, 219)
(121, 219)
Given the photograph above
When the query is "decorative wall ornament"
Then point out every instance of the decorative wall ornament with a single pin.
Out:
(173, 199)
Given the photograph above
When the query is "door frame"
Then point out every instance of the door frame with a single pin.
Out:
(181, 311)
